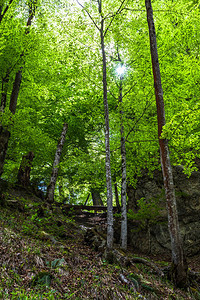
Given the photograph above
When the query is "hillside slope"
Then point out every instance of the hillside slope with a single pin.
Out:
(43, 255)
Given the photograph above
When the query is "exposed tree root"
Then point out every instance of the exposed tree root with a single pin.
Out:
(149, 264)
(98, 242)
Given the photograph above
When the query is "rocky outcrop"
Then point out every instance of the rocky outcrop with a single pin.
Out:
(155, 237)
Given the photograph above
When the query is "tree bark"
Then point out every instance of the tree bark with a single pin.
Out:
(116, 193)
(23, 176)
(110, 231)
(179, 264)
(123, 188)
(54, 174)
(96, 198)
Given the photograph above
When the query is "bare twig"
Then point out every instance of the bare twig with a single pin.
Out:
(89, 15)
(114, 15)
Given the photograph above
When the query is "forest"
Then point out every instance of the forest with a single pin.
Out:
(99, 120)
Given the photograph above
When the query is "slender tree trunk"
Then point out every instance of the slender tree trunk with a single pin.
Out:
(23, 175)
(110, 231)
(123, 188)
(116, 193)
(54, 174)
(179, 264)
(86, 201)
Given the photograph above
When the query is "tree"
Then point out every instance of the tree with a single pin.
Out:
(123, 188)
(110, 232)
(23, 176)
(179, 264)
(102, 32)
(62, 78)
(123, 164)
(96, 198)
(54, 174)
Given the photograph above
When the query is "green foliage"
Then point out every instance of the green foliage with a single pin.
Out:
(84, 276)
(148, 211)
(29, 228)
(55, 263)
(62, 81)
(135, 279)
(23, 294)
(183, 133)
(42, 278)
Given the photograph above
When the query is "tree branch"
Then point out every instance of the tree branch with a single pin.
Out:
(89, 15)
(5, 10)
(114, 15)
(148, 104)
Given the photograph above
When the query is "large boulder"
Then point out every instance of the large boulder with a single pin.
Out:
(155, 238)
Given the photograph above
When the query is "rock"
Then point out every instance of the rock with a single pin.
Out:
(95, 240)
(156, 239)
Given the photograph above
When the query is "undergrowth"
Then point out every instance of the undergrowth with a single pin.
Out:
(43, 256)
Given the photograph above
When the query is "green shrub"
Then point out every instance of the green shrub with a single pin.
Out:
(147, 213)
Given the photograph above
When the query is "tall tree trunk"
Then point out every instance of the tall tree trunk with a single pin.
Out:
(54, 174)
(179, 264)
(110, 231)
(23, 176)
(5, 134)
(96, 198)
(123, 167)
(116, 192)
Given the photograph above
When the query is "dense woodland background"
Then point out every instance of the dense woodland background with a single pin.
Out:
(52, 64)
(60, 60)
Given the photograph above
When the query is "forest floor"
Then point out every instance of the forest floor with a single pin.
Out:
(43, 255)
